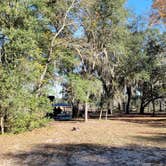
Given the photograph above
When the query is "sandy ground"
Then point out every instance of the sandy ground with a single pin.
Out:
(115, 142)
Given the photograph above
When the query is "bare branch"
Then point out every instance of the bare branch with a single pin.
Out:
(64, 22)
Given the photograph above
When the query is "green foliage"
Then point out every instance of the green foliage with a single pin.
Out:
(23, 44)
(21, 108)
(30, 46)
(24, 122)
(82, 88)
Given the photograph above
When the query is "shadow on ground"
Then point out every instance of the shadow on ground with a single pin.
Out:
(152, 137)
(88, 155)
(150, 122)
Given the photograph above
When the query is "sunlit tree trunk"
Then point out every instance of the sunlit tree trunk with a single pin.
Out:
(86, 111)
(101, 112)
(2, 125)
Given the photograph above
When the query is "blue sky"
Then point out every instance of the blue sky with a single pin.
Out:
(140, 7)
(143, 8)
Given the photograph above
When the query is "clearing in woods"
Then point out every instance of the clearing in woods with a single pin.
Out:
(120, 141)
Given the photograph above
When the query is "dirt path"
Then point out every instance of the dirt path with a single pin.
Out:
(122, 141)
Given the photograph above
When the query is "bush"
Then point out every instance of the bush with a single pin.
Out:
(27, 121)
(24, 111)
(30, 113)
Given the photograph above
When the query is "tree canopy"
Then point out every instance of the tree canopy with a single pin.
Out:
(160, 10)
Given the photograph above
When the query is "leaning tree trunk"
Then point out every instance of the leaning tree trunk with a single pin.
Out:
(101, 112)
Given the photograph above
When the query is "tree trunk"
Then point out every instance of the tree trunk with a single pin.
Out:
(42, 77)
(108, 108)
(106, 115)
(142, 108)
(124, 107)
(86, 111)
(128, 100)
(78, 111)
(160, 106)
(154, 109)
(2, 125)
(75, 110)
(120, 107)
(101, 112)
(149, 107)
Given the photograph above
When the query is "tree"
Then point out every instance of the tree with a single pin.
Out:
(144, 68)
(19, 66)
(102, 46)
(153, 88)
(126, 71)
(57, 34)
(82, 90)
(159, 7)
(26, 29)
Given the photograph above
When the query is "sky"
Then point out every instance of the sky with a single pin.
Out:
(139, 7)
(143, 8)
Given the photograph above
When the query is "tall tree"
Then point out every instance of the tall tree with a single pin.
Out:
(154, 66)
(102, 46)
(159, 7)
(31, 36)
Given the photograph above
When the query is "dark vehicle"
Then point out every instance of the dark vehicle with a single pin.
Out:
(62, 111)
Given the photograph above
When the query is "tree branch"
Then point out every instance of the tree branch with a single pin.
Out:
(51, 47)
